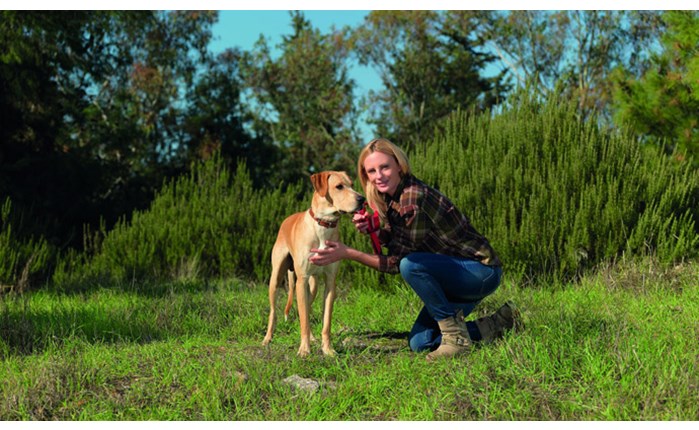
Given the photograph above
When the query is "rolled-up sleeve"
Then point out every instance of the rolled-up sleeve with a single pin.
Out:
(389, 264)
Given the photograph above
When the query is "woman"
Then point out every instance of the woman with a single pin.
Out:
(433, 246)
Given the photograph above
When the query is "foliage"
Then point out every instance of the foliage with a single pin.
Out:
(573, 51)
(22, 261)
(42, 56)
(303, 100)
(663, 103)
(430, 64)
(556, 195)
(96, 112)
(100, 107)
(217, 122)
(207, 223)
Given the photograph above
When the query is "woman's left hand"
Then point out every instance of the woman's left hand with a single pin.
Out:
(333, 251)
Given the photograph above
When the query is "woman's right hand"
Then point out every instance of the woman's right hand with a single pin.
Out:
(361, 222)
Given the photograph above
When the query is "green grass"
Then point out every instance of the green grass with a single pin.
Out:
(620, 344)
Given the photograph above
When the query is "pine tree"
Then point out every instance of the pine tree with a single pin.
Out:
(663, 104)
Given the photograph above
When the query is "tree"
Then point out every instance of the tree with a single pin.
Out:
(46, 61)
(303, 100)
(431, 64)
(94, 108)
(664, 102)
(572, 50)
(136, 112)
(216, 121)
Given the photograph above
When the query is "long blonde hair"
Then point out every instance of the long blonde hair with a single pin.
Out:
(387, 147)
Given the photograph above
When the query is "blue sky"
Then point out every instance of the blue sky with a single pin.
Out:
(242, 28)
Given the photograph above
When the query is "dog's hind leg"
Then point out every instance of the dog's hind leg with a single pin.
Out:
(313, 284)
(280, 264)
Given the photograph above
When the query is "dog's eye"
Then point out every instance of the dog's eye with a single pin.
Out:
(339, 187)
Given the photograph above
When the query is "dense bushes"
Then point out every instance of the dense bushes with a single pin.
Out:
(208, 223)
(554, 195)
(21, 260)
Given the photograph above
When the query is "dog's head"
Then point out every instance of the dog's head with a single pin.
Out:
(334, 193)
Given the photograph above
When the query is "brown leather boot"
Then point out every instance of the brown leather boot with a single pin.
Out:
(495, 325)
(455, 338)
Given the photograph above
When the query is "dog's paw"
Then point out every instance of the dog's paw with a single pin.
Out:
(329, 352)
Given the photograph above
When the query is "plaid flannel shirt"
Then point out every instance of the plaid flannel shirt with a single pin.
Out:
(421, 219)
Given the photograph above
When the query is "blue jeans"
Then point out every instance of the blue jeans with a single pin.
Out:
(445, 284)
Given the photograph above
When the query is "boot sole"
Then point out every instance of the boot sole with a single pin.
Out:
(517, 322)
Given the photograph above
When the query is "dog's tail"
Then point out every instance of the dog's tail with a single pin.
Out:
(291, 278)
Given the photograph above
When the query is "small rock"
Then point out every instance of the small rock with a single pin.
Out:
(303, 384)
(308, 385)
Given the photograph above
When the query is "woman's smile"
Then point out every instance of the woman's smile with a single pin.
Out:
(383, 172)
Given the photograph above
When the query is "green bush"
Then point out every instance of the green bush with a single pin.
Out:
(208, 223)
(556, 195)
(22, 261)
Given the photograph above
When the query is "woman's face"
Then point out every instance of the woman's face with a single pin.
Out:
(383, 172)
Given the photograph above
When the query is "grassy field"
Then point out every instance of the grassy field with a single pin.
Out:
(621, 344)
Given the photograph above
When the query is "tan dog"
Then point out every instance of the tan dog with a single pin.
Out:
(298, 234)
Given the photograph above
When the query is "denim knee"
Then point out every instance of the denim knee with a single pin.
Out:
(407, 267)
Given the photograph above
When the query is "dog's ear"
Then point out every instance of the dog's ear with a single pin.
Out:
(320, 182)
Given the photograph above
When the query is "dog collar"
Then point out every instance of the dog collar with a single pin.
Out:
(321, 222)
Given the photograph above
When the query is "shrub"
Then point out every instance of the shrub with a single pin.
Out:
(208, 223)
(555, 195)
(22, 260)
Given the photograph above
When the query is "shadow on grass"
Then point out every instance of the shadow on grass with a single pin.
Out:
(145, 288)
(383, 342)
(25, 332)
(27, 329)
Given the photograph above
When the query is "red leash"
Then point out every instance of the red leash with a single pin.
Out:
(373, 221)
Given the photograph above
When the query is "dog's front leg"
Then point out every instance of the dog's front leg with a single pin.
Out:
(304, 307)
(329, 300)
(313, 284)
